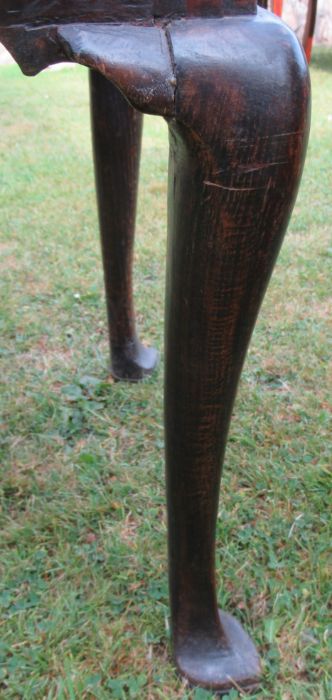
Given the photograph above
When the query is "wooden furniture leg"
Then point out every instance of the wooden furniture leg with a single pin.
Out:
(235, 92)
(309, 30)
(236, 153)
(116, 133)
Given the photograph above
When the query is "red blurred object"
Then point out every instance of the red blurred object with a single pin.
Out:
(308, 48)
(277, 7)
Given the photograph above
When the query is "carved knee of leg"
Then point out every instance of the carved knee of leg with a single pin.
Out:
(242, 90)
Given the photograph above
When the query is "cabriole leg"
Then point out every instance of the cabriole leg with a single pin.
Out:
(116, 132)
(236, 155)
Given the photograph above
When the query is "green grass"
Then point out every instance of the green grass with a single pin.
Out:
(83, 593)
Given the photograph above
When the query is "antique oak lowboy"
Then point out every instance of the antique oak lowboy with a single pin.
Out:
(231, 80)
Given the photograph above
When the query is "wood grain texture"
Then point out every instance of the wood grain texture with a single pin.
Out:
(236, 96)
(119, 53)
(116, 51)
(237, 150)
(116, 135)
(35, 33)
(137, 11)
(60, 11)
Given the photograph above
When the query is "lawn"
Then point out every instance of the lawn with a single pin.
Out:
(83, 592)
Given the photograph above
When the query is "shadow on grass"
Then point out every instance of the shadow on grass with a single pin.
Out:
(322, 58)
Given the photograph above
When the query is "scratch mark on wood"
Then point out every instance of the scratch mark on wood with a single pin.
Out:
(233, 189)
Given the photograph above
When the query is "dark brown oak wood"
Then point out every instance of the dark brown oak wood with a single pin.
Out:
(138, 11)
(116, 133)
(235, 93)
(276, 6)
(237, 147)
